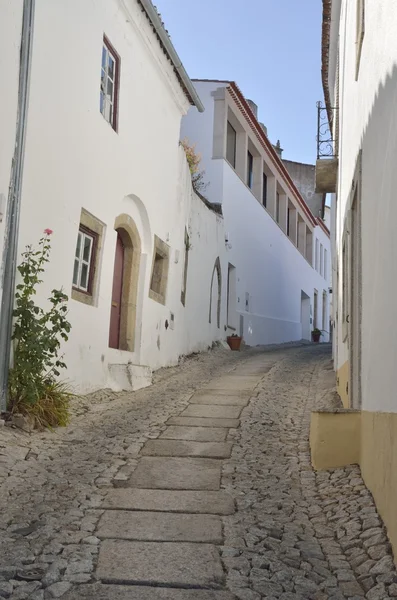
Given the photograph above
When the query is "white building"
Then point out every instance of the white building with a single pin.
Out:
(359, 68)
(278, 253)
(133, 246)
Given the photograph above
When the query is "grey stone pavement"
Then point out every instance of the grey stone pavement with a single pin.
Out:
(198, 488)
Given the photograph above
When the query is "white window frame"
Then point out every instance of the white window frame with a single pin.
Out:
(82, 236)
(321, 259)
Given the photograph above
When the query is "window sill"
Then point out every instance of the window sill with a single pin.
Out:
(160, 298)
(83, 297)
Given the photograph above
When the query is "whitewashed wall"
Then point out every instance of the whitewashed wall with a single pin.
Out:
(75, 160)
(270, 269)
(368, 122)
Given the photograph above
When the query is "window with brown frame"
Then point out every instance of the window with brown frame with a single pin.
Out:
(110, 75)
(84, 261)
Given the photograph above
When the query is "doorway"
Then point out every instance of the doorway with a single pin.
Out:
(315, 309)
(231, 297)
(355, 303)
(305, 316)
(117, 294)
(127, 260)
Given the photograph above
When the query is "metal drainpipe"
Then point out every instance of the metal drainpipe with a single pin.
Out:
(14, 200)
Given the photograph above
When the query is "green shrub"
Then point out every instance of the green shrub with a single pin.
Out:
(33, 388)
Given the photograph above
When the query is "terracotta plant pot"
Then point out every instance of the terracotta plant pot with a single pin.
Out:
(316, 337)
(234, 342)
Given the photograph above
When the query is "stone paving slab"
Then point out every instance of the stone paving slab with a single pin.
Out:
(160, 564)
(99, 591)
(223, 392)
(195, 434)
(186, 448)
(234, 382)
(159, 527)
(225, 400)
(209, 412)
(178, 501)
(177, 473)
(204, 422)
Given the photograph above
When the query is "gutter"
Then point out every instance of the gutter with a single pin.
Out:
(325, 43)
(14, 200)
(184, 78)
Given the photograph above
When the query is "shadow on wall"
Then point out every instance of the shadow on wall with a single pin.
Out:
(378, 426)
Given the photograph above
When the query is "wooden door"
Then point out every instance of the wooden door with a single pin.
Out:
(115, 313)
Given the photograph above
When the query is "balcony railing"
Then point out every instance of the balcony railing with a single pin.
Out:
(327, 149)
(326, 117)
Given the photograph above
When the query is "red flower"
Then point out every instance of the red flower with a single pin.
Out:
(48, 231)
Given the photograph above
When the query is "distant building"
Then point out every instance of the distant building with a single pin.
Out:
(304, 177)
(278, 252)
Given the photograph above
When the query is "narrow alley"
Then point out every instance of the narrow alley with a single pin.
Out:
(198, 488)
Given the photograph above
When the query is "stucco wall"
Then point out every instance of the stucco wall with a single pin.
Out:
(74, 160)
(303, 175)
(271, 273)
(368, 122)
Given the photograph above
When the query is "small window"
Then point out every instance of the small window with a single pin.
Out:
(264, 190)
(250, 169)
(185, 268)
(317, 255)
(231, 145)
(325, 264)
(84, 260)
(277, 207)
(109, 83)
(159, 278)
(288, 219)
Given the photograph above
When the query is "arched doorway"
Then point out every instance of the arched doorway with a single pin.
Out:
(125, 285)
(216, 292)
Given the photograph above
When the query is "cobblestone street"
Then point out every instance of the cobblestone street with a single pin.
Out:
(197, 488)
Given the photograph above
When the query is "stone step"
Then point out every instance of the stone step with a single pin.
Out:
(217, 503)
(159, 527)
(226, 400)
(99, 591)
(203, 422)
(195, 434)
(177, 473)
(212, 412)
(165, 564)
(184, 448)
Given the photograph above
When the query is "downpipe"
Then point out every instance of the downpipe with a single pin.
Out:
(11, 235)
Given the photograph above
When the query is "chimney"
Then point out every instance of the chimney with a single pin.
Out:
(253, 107)
(264, 128)
(278, 149)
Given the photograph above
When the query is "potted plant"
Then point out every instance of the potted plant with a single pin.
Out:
(234, 341)
(316, 334)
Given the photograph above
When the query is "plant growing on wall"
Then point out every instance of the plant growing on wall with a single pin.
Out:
(194, 159)
(33, 388)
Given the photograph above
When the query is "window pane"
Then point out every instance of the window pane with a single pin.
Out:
(110, 89)
(84, 277)
(111, 67)
(87, 248)
(78, 245)
(103, 80)
(102, 102)
(231, 145)
(104, 53)
(76, 272)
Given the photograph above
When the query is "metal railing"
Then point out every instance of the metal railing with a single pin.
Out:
(326, 146)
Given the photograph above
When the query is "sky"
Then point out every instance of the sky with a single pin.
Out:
(271, 48)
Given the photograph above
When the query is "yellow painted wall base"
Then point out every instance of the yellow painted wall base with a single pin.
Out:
(343, 375)
(335, 438)
(379, 466)
(345, 437)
